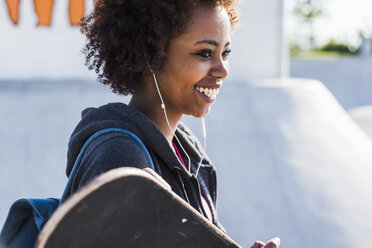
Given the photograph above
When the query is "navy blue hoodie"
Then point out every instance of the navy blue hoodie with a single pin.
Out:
(113, 150)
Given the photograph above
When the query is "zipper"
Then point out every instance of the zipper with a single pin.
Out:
(183, 187)
(195, 186)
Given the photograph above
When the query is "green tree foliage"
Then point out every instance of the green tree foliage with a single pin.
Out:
(339, 47)
(294, 49)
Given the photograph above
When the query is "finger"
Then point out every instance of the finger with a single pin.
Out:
(258, 244)
(273, 243)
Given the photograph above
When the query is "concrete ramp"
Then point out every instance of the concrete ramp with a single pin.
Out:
(363, 117)
(292, 163)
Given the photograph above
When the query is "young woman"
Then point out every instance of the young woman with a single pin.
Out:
(172, 56)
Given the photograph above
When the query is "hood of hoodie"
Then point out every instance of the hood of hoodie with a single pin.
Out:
(119, 115)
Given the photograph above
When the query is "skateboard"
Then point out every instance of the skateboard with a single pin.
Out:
(129, 207)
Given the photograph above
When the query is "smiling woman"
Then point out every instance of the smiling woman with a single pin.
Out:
(172, 56)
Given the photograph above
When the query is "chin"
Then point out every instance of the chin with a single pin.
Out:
(201, 113)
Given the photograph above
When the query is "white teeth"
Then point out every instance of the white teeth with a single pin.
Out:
(209, 92)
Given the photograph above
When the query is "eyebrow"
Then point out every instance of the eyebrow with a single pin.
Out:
(211, 42)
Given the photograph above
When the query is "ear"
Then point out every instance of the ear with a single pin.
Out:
(150, 68)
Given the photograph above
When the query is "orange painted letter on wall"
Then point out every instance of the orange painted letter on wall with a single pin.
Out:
(13, 10)
(76, 10)
(44, 9)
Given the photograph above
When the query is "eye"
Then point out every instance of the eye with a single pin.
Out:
(205, 53)
(226, 53)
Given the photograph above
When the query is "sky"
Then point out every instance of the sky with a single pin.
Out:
(343, 20)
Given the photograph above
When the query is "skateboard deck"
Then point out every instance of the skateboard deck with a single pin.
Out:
(129, 207)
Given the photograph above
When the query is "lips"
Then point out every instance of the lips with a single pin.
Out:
(209, 91)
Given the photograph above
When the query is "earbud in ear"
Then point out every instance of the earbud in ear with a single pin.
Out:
(150, 68)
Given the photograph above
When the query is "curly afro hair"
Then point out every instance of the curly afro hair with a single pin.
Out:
(125, 36)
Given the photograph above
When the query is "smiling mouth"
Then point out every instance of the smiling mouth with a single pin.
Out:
(211, 93)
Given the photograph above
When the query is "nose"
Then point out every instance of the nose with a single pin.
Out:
(220, 69)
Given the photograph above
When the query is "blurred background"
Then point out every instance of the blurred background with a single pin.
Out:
(290, 133)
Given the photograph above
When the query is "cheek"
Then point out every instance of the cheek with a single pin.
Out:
(194, 71)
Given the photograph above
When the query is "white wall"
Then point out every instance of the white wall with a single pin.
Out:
(258, 45)
(27, 51)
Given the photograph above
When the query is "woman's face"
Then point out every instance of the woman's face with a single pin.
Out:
(197, 62)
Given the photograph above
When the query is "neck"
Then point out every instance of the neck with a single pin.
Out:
(148, 102)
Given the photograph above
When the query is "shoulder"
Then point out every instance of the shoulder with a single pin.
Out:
(109, 151)
(117, 148)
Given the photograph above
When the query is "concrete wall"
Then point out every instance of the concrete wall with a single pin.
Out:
(349, 79)
(28, 51)
(259, 49)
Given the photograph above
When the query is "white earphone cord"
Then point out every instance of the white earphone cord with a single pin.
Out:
(170, 128)
(205, 145)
